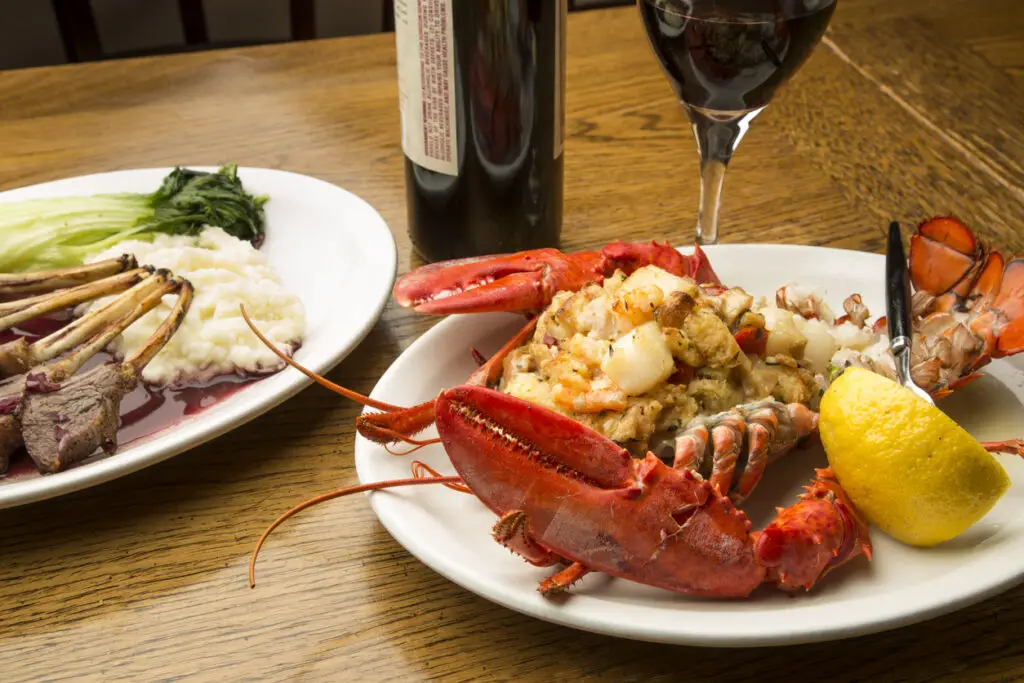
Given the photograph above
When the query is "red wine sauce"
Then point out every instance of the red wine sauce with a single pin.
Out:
(144, 412)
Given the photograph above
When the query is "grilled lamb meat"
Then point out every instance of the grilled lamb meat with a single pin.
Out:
(10, 425)
(67, 425)
(10, 439)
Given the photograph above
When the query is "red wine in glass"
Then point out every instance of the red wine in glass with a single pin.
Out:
(725, 60)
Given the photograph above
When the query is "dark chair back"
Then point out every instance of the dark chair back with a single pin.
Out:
(82, 40)
(578, 5)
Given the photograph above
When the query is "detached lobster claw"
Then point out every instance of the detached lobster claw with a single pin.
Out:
(528, 280)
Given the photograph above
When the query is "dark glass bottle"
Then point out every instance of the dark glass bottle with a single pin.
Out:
(482, 98)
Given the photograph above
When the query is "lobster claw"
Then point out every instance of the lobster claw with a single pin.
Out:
(809, 539)
(585, 499)
(528, 280)
(508, 282)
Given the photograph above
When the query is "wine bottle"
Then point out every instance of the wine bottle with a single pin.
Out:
(481, 93)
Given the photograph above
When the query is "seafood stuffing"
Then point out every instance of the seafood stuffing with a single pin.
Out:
(640, 356)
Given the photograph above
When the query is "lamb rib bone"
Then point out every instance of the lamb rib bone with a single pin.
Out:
(36, 282)
(19, 356)
(19, 310)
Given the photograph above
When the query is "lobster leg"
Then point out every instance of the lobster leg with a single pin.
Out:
(511, 531)
(562, 580)
(396, 424)
(1011, 446)
(401, 423)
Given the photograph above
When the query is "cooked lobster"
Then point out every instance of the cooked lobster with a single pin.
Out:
(674, 527)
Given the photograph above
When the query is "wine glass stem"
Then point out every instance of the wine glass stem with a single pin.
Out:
(718, 134)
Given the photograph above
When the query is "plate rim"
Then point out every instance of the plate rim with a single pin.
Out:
(108, 468)
(886, 616)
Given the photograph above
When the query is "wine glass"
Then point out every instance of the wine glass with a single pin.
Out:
(725, 59)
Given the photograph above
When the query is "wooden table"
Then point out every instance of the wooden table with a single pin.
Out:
(910, 107)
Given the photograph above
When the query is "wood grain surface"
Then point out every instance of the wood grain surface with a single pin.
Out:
(909, 108)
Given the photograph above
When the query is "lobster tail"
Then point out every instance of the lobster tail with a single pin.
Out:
(943, 252)
(734, 448)
(954, 273)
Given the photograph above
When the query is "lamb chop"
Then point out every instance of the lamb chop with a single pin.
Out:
(61, 417)
(25, 296)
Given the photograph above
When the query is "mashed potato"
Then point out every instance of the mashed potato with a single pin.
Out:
(213, 339)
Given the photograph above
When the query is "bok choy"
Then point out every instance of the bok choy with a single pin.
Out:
(40, 234)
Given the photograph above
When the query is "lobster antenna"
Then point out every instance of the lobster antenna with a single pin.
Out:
(322, 381)
(412, 450)
(375, 486)
(419, 468)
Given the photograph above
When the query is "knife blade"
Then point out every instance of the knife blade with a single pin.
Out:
(897, 304)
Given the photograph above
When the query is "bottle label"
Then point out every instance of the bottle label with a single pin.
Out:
(426, 83)
(561, 13)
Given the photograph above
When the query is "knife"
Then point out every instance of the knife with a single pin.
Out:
(897, 305)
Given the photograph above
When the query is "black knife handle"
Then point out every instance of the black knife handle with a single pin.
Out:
(897, 285)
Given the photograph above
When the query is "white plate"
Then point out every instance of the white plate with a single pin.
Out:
(322, 240)
(450, 532)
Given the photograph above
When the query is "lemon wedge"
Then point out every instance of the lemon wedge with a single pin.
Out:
(910, 469)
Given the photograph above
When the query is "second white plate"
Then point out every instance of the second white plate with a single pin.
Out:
(330, 248)
(450, 532)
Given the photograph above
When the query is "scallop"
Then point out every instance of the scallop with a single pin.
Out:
(666, 281)
(820, 345)
(785, 337)
(640, 360)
